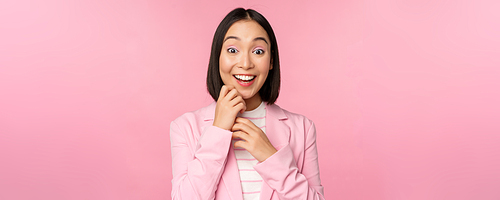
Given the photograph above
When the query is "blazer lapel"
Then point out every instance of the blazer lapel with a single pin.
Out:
(230, 176)
(277, 131)
(278, 134)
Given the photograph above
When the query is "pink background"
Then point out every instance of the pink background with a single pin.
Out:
(404, 94)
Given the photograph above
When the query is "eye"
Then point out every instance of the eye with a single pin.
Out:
(258, 51)
(232, 50)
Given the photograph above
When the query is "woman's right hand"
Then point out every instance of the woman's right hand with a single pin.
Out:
(230, 102)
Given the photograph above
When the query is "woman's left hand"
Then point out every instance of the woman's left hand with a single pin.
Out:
(254, 140)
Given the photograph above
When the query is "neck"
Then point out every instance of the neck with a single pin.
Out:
(253, 102)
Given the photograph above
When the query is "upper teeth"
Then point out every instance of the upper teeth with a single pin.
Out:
(243, 77)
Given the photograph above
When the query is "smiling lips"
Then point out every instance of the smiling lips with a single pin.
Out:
(244, 80)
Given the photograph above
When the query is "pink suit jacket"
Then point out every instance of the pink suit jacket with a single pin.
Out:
(204, 165)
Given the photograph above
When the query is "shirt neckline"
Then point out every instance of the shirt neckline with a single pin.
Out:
(260, 107)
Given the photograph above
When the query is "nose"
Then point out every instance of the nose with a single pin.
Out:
(245, 61)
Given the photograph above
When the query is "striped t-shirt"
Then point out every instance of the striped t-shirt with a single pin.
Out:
(251, 181)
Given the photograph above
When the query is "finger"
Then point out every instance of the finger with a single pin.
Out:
(231, 95)
(247, 122)
(240, 135)
(243, 127)
(241, 144)
(244, 105)
(242, 120)
(241, 107)
(237, 100)
(230, 87)
(223, 92)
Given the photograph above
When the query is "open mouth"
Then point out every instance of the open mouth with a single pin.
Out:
(244, 78)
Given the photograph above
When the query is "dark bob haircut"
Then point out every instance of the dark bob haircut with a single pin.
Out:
(270, 90)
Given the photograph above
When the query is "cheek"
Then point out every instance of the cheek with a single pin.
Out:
(225, 64)
(223, 67)
(265, 67)
(225, 70)
(266, 75)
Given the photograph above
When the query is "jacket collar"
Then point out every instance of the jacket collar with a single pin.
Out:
(272, 110)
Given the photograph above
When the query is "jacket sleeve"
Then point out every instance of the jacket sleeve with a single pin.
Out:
(281, 173)
(197, 174)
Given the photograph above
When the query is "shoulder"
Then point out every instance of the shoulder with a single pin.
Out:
(198, 115)
(293, 118)
(302, 129)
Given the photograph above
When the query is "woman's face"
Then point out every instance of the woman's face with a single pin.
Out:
(245, 58)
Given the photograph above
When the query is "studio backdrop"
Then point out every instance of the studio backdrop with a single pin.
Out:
(404, 94)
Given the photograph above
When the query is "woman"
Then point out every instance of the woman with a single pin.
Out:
(243, 146)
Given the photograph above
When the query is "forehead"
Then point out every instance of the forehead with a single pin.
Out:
(246, 30)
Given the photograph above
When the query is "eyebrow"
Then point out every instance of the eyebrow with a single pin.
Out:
(237, 38)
